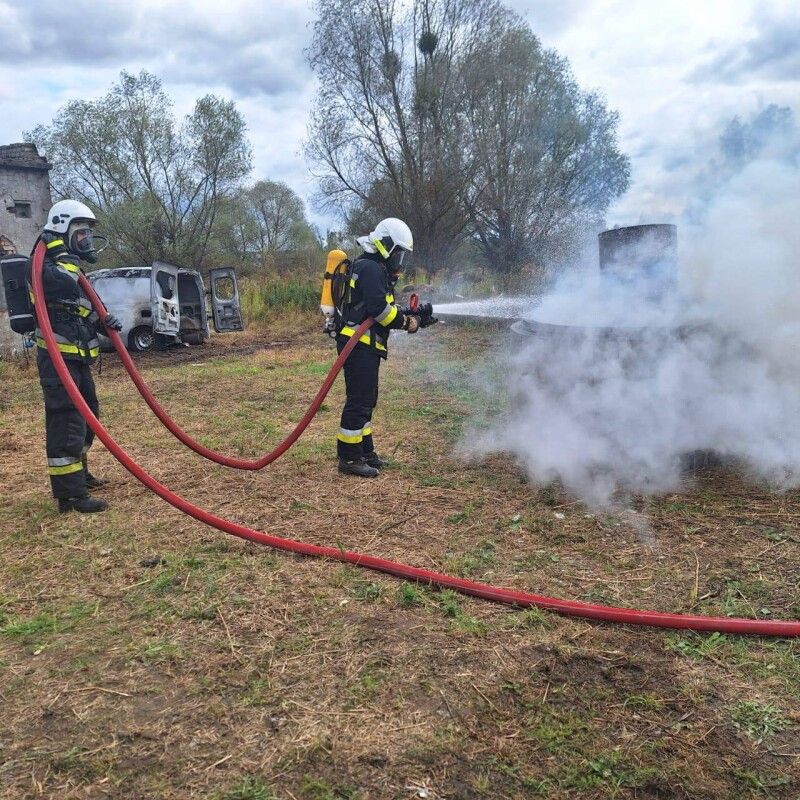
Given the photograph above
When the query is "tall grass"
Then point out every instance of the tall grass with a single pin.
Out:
(266, 300)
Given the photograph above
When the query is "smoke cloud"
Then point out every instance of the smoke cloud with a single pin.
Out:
(615, 404)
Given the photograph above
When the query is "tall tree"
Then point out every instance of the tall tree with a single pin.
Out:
(450, 114)
(545, 152)
(266, 226)
(158, 187)
(279, 217)
(390, 141)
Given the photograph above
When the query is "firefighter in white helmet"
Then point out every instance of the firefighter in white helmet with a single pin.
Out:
(370, 294)
(69, 238)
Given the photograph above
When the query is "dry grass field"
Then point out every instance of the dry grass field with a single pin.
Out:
(145, 655)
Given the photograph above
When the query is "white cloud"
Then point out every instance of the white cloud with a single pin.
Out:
(648, 59)
(641, 57)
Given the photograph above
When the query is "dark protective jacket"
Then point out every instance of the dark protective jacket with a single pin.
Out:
(71, 315)
(370, 294)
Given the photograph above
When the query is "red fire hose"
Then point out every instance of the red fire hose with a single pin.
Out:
(508, 596)
(179, 433)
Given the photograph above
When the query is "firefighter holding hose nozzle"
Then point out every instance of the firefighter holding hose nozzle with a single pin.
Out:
(69, 238)
(356, 292)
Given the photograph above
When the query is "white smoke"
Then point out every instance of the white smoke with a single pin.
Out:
(616, 405)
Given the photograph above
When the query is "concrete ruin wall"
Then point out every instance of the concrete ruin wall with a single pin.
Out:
(24, 203)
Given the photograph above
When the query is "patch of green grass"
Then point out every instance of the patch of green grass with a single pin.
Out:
(449, 602)
(264, 297)
(319, 789)
(409, 595)
(164, 582)
(248, 788)
(255, 695)
(556, 730)
(40, 626)
(472, 625)
(745, 598)
(643, 702)
(696, 646)
(320, 368)
(366, 591)
(437, 480)
(368, 683)
(758, 720)
(75, 763)
(157, 651)
(760, 783)
(538, 559)
(475, 561)
(531, 618)
(607, 770)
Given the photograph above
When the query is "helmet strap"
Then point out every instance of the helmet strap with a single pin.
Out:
(380, 248)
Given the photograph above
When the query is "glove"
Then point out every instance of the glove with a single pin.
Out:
(112, 322)
(412, 323)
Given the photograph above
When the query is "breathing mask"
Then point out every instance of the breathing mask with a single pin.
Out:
(82, 242)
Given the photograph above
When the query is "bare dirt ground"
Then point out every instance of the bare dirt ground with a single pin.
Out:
(144, 655)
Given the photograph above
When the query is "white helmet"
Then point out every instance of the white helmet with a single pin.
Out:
(73, 221)
(392, 239)
(66, 211)
(396, 232)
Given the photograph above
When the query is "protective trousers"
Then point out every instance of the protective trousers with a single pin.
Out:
(361, 385)
(68, 436)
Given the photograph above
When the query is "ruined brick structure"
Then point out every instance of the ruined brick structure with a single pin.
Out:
(24, 203)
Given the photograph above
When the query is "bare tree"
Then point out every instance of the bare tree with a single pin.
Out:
(390, 140)
(157, 187)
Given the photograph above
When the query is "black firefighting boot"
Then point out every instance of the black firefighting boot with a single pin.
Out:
(357, 467)
(91, 481)
(85, 504)
(374, 460)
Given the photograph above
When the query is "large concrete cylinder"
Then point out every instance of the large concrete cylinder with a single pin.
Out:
(644, 254)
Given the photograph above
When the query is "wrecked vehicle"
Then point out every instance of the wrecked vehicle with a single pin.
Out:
(165, 304)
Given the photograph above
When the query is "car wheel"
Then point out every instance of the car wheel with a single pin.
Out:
(141, 338)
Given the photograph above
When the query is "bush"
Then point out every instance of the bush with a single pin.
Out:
(270, 298)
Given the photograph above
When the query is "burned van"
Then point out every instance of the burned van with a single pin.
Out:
(164, 304)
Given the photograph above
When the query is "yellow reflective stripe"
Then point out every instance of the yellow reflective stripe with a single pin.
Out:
(55, 243)
(73, 349)
(68, 267)
(32, 296)
(352, 283)
(387, 315)
(83, 312)
(350, 437)
(380, 248)
(365, 338)
(390, 298)
(368, 430)
(67, 470)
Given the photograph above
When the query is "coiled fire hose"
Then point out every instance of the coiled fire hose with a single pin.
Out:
(486, 591)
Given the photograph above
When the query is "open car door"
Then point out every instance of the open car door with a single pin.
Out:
(164, 299)
(225, 307)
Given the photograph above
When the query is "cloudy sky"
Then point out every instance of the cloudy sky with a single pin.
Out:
(676, 70)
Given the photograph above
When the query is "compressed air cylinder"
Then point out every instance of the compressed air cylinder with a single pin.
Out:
(14, 270)
(335, 257)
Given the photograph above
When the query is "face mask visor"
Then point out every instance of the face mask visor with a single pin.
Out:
(84, 244)
(396, 258)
